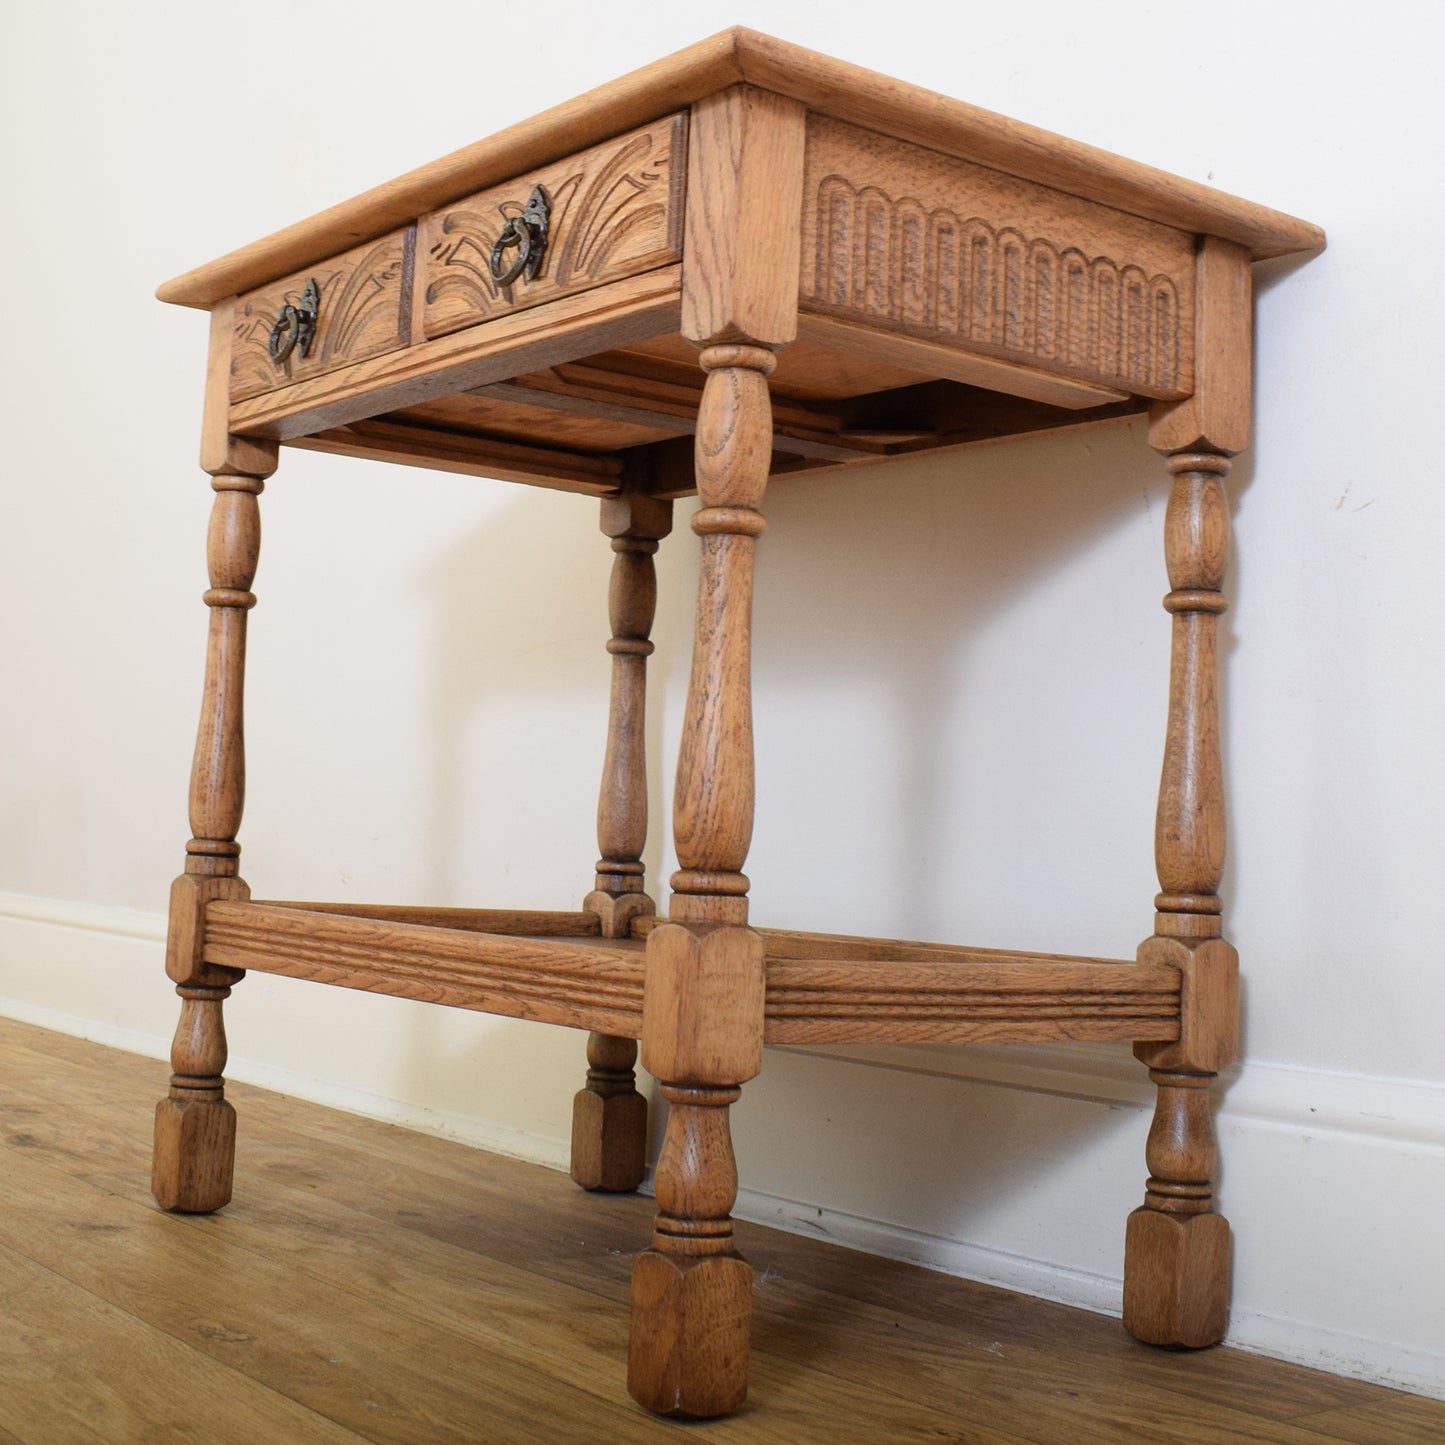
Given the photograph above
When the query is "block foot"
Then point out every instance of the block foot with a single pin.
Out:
(1176, 1278)
(195, 1151)
(691, 1318)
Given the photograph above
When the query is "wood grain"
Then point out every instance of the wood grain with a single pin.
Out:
(929, 356)
(609, 1116)
(616, 211)
(744, 192)
(635, 523)
(908, 240)
(581, 983)
(1189, 831)
(221, 451)
(712, 816)
(503, 409)
(561, 330)
(470, 1255)
(963, 999)
(817, 82)
(218, 766)
(439, 449)
(544, 923)
(77, 1368)
(364, 311)
(1216, 417)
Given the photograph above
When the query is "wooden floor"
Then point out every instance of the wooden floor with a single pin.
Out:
(372, 1283)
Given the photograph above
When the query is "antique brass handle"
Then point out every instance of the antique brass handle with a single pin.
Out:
(528, 233)
(296, 325)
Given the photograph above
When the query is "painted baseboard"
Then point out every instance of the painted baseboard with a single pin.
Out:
(1329, 1178)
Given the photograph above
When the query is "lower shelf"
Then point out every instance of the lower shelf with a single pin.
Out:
(821, 988)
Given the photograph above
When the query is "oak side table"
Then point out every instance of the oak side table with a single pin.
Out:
(745, 260)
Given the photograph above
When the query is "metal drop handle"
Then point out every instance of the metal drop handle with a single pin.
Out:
(528, 233)
(295, 327)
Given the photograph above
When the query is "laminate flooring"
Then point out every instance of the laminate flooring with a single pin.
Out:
(371, 1283)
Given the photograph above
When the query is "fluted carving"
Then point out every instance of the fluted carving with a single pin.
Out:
(936, 272)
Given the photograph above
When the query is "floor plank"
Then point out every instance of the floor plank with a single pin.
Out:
(396, 1287)
(75, 1368)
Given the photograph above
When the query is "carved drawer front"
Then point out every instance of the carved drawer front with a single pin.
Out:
(362, 303)
(608, 212)
(909, 240)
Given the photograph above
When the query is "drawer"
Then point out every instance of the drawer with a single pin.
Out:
(363, 309)
(612, 211)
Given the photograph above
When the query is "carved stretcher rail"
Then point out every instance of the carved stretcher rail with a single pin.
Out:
(551, 967)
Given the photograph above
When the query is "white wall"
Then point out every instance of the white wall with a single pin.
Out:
(960, 666)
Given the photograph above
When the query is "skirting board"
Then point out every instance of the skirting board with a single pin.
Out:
(1330, 1180)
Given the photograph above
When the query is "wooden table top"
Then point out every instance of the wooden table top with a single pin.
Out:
(827, 87)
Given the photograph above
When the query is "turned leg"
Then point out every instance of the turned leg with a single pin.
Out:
(195, 1126)
(703, 1002)
(702, 1018)
(1177, 1250)
(609, 1116)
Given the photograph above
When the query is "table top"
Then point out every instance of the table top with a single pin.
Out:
(928, 276)
(827, 87)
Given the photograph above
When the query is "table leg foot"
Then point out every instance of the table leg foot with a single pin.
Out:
(691, 1320)
(1176, 1278)
(195, 1150)
(195, 1134)
(609, 1119)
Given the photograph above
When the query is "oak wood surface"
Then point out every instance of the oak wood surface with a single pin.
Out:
(220, 450)
(804, 371)
(744, 191)
(615, 211)
(929, 356)
(1216, 416)
(460, 1252)
(921, 240)
(580, 982)
(739, 56)
(910, 240)
(554, 967)
(574, 325)
(507, 409)
(543, 923)
(444, 450)
(364, 310)
(609, 1116)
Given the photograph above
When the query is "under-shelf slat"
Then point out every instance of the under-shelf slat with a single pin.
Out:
(548, 923)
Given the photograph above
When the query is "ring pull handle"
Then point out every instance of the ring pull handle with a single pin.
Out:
(528, 233)
(295, 327)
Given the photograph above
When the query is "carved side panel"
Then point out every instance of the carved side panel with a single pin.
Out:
(909, 240)
(364, 311)
(616, 210)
